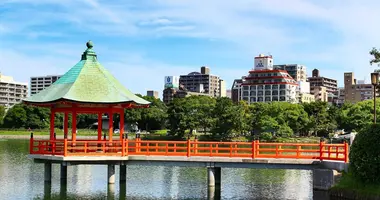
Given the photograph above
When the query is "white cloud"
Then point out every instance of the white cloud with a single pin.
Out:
(255, 26)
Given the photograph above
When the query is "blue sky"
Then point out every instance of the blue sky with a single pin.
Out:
(141, 41)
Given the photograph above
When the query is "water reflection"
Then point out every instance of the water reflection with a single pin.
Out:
(20, 178)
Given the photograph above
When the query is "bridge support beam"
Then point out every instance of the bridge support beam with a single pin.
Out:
(111, 174)
(123, 173)
(324, 179)
(47, 176)
(214, 176)
(63, 174)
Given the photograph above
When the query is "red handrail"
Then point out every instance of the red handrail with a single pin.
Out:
(253, 150)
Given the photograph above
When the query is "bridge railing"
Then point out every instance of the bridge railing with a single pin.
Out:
(189, 148)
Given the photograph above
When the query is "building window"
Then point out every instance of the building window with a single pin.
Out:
(267, 93)
(260, 99)
(282, 98)
(253, 99)
(253, 93)
(260, 93)
(267, 98)
(282, 86)
(275, 92)
(268, 87)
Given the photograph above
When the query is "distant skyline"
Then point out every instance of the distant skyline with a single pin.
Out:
(142, 41)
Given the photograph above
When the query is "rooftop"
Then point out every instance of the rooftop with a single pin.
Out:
(87, 82)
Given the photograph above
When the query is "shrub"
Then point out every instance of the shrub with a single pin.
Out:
(266, 136)
(365, 155)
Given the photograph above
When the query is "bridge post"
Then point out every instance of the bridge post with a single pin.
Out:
(63, 173)
(47, 176)
(123, 174)
(214, 176)
(111, 174)
(321, 147)
(324, 179)
(346, 152)
(188, 146)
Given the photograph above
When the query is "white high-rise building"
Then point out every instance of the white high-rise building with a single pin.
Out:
(41, 82)
(11, 92)
(265, 84)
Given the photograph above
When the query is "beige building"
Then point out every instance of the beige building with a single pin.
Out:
(320, 93)
(11, 92)
(306, 98)
(298, 72)
(169, 94)
(222, 88)
(210, 84)
(354, 92)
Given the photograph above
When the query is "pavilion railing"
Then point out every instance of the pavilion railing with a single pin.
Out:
(189, 148)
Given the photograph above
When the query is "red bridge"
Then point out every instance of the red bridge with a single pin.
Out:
(189, 148)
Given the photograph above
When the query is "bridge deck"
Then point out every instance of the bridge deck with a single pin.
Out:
(191, 150)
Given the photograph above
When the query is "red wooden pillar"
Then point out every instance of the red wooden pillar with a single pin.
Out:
(121, 125)
(52, 118)
(110, 125)
(66, 125)
(100, 126)
(74, 126)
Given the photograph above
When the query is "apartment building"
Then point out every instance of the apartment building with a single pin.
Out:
(316, 80)
(11, 92)
(211, 83)
(152, 93)
(265, 84)
(169, 94)
(355, 92)
(41, 82)
(296, 71)
(320, 93)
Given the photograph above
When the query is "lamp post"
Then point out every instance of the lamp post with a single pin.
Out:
(375, 82)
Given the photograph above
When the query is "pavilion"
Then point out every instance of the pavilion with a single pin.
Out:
(87, 88)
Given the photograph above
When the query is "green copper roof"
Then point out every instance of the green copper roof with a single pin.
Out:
(87, 82)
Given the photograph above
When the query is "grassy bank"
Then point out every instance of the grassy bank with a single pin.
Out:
(348, 185)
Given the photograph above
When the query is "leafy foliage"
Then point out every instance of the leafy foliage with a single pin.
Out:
(365, 155)
(376, 56)
(2, 114)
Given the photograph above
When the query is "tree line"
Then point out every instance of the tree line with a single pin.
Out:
(218, 116)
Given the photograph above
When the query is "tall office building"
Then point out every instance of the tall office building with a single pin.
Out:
(211, 83)
(265, 84)
(355, 92)
(11, 92)
(41, 82)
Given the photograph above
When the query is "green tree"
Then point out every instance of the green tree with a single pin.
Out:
(365, 155)
(189, 114)
(227, 116)
(320, 122)
(376, 56)
(2, 114)
(357, 116)
(15, 117)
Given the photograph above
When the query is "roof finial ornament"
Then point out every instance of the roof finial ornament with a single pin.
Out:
(89, 44)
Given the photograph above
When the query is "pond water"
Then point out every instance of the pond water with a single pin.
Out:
(21, 178)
